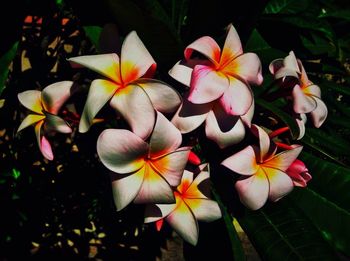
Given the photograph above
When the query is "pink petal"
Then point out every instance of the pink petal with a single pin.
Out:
(126, 187)
(206, 46)
(301, 124)
(237, 98)
(154, 188)
(204, 209)
(43, 143)
(104, 64)
(248, 117)
(232, 46)
(30, 120)
(319, 114)
(100, 92)
(181, 73)
(283, 160)
(165, 137)
(135, 59)
(224, 129)
(299, 173)
(302, 102)
(56, 123)
(172, 165)
(190, 116)
(155, 212)
(280, 183)
(275, 65)
(183, 222)
(312, 90)
(31, 100)
(264, 142)
(164, 98)
(134, 105)
(55, 95)
(303, 77)
(253, 191)
(121, 150)
(290, 67)
(242, 162)
(247, 67)
(206, 84)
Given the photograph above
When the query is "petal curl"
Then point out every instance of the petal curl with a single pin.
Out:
(242, 162)
(206, 46)
(319, 115)
(55, 95)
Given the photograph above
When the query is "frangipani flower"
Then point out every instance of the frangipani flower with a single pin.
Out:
(264, 171)
(143, 173)
(191, 205)
(306, 95)
(224, 76)
(131, 95)
(45, 104)
(299, 173)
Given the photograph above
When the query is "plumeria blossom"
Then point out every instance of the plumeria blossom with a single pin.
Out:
(263, 171)
(306, 95)
(143, 172)
(192, 204)
(299, 173)
(127, 87)
(224, 76)
(219, 92)
(45, 105)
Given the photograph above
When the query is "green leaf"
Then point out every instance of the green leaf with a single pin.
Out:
(93, 32)
(237, 249)
(16, 173)
(257, 44)
(338, 88)
(331, 220)
(285, 117)
(329, 180)
(286, 6)
(5, 61)
(342, 14)
(280, 231)
(318, 45)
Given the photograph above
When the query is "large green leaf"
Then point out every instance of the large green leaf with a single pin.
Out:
(329, 180)
(285, 117)
(93, 32)
(5, 61)
(280, 231)
(285, 6)
(332, 220)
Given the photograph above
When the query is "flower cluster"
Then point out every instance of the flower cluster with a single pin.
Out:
(149, 162)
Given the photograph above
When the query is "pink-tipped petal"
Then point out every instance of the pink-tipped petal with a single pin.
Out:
(223, 129)
(207, 85)
(30, 120)
(43, 143)
(53, 122)
(155, 212)
(55, 95)
(319, 115)
(204, 209)
(121, 151)
(165, 137)
(264, 142)
(100, 92)
(242, 162)
(283, 160)
(206, 46)
(163, 97)
(302, 103)
(31, 100)
(232, 46)
(299, 173)
(172, 165)
(254, 190)
(134, 105)
(190, 116)
(135, 59)
(247, 67)
(154, 189)
(183, 222)
(237, 98)
(280, 183)
(126, 187)
(105, 64)
(312, 90)
(182, 73)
